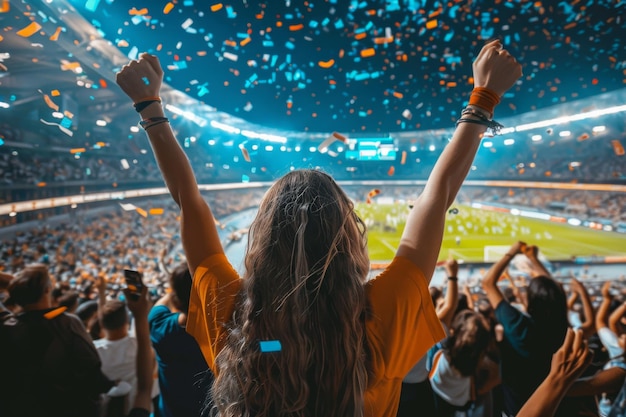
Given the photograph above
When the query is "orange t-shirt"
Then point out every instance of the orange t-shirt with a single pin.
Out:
(402, 328)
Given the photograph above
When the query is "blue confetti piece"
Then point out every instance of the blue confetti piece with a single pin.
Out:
(145, 80)
(92, 5)
(1, 142)
(268, 346)
(268, 43)
(339, 24)
(245, 178)
(66, 122)
(313, 24)
(290, 45)
(230, 12)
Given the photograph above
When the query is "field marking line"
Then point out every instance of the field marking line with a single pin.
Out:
(388, 245)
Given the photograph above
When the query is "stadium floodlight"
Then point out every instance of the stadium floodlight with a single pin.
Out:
(572, 118)
(536, 138)
(413, 148)
(4, 105)
(509, 142)
(574, 222)
(263, 136)
(101, 122)
(269, 148)
(431, 148)
(187, 115)
(487, 144)
(598, 129)
(134, 129)
(565, 133)
(226, 128)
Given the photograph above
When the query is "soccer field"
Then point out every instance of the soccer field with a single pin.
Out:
(470, 230)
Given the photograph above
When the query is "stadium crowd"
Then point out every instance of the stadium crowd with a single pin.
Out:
(497, 328)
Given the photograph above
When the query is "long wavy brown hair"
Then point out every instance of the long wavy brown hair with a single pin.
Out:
(306, 266)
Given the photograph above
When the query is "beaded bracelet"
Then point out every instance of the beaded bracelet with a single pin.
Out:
(491, 124)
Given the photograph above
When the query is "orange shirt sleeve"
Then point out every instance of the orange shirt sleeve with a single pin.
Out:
(216, 286)
(404, 324)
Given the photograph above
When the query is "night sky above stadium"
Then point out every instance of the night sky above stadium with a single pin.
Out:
(358, 66)
(367, 65)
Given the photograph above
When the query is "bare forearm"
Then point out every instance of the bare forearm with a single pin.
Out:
(144, 354)
(455, 162)
(615, 318)
(603, 313)
(446, 312)
(545, 400)
(170, 157)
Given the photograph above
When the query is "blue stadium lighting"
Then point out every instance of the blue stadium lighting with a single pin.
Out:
(509, 142)
(187, 115)
(572, 118)
(226, 128)
(536, 138)
(487, 144)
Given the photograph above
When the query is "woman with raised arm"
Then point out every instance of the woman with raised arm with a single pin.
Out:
(304, 333)
(529, 339)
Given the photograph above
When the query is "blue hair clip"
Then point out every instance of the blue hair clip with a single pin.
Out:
(269, 346)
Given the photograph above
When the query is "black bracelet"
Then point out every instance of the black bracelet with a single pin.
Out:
(491, 124)
(146, 123)
(139, 107)
(453, 279)
(154, 124)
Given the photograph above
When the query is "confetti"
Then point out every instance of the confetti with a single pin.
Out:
(269, 346)
(216, 7)
(326, 64)
(29, 30)
(156, 211)
(617, 147)
(5, 6)
(403, 159)
(168, 8)
(245, 153)
(50, 103)
(391, 171)
(141, 212)
(136, 12)
(55, 35)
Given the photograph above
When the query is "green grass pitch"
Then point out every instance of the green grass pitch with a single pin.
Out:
(477, 228)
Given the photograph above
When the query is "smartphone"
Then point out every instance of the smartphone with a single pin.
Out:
(133, 282)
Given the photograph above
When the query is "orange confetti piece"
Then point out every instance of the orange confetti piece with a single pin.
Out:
(69, 66)
(55, 35)
(569, 25)
(451, 84)
(55, 93)
(398, 94)
(403, 160)
(50, 103)
(140, 12)
(294, 28)
(156, 211)
(245, 42)
(216, 7)
(68, 114)
(360, 36)
(29, 30)
(383, 40)
(1, 38)
(617, 147)
(245, 153)
(77, 150)
(41, 184)
(5, 6)
(168, 8)
(391, 171)
(326, 64)
(228, 42)
(366, 53)
(340, 137)
(103, 83)
(142, 212)
(431, 24)
(122, 43)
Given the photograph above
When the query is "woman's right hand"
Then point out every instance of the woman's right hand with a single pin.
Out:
(495, 68)
(569, 362)
(141, 79)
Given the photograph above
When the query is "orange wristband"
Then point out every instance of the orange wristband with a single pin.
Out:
(484, 98)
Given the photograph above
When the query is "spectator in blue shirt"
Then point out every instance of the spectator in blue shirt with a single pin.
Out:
(184, 377)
